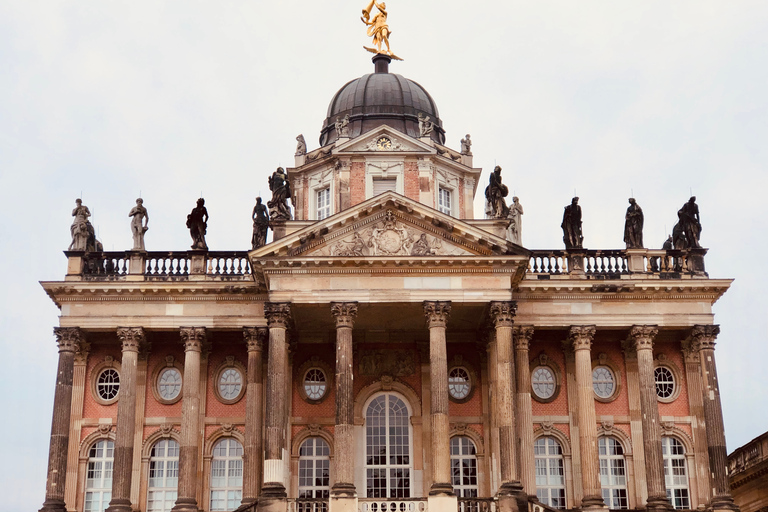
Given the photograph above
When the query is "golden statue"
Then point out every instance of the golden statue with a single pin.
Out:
(378, 28)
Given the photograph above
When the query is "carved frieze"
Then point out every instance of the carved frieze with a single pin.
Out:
(395, 363)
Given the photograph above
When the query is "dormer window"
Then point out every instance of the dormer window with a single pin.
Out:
(323, 201)
(444, 201)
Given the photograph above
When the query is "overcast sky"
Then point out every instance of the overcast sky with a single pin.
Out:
(173, 99)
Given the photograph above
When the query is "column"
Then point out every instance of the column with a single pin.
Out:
(642, 337)
(76, 422)
(343, 492)
(704, 340)
(493, 396)
(523, 409)
(511, 496)
(278, 315)
(581, 337)
(437, 313)
(193, 339)
(68, 339)
(130, 338)
(254, 339)
(700, 468)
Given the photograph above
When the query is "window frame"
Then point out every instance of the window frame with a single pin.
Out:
(315, 491)
(464, 461)
(108, 363)
(603, 361)
(325, 187)
(544, 361)
(230, 363)
(169, 362)
(609, 468)
(385, 168)
(668, 459)
(167, 466)
(663, 361)
(107, 466)
(315, 363)
(451, 199)
(470, 382)
(548, 457)
(409, 491)
(227, 489)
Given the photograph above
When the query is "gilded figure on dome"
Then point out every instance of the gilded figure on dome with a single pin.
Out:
(378, 28)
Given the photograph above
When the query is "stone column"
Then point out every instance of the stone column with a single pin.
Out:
(68, 339)
(343, 492)
(437, 313)
(76, 422)
(511, 495)
(581, 337)
(193, 339)
(254, 339)
(131, 338)
(493, 396)
(523, 409)
(641, 336)
(273, 494)
(704, 340)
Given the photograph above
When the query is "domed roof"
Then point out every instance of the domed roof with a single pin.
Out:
(381, 98)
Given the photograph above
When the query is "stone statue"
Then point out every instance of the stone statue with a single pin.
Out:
(668, 244)
(679, 240)
(301, 145)
(495, 193)
(260, 225)
(139, 224)
(378, 28)
(83, 234)
(425, 125)
(342, 127)
(422, 247)
(281, 192)
(515, 229)
(633, 225)
(197, 222)
(466, 146)
(691, 223)
(571, 225)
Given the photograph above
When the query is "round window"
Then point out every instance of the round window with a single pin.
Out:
(459, 383)
(603, 382)
(230, 384)
(108, 384)
(665, 382)
(169, 384)
(315, 384)
(543, 382)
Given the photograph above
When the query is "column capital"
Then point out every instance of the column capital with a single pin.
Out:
(503, 313)
(344, 313)
(581, 336)
(522, 335)
(193, 338)
(437, 312)
(68, 338)
(255, 337)
(81, 354)
(703, 337)
(132, 338)
(278, 314)
(641, 337)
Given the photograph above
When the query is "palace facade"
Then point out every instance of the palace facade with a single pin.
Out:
(386, 351)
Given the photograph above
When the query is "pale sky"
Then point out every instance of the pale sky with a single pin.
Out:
(173, 99)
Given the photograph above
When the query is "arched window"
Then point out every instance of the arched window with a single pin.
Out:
(387, 448)
(550, 472)
(464, 467)
(314, 468)
(613, 473)
(98, 483)
(226, 475)
(163, 476)
(675, 472)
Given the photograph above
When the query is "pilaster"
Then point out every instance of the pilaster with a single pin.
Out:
(254, 338)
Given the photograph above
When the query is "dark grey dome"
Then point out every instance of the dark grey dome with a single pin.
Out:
(381, 98)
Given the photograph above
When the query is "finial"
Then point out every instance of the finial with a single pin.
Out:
(378, 30)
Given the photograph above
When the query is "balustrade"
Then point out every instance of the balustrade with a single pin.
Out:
(105, 265)
(612, 264)
(308, 505)
(166, 264)
(605, 263)
(228, 264)
(548, 262)
(392, 505)
(477, 505)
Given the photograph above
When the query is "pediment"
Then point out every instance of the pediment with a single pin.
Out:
(384, 139)
(389, 226)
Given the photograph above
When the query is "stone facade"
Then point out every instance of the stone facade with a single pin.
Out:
(748, 475)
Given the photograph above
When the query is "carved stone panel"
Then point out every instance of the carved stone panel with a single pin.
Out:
(396, 363)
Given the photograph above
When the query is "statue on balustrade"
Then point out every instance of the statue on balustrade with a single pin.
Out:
(260, 225)
(495, 192)
(515, 229)
(633, 225)
(83, 234)
(466, 146)
(691, 223)
(139, 224)
(197, 222)
(281, 193)
(572, 235)
(301, 145)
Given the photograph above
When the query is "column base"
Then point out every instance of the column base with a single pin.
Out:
(185, 505)
(54, 505)
(272, 504)
(272, 490)
(512, 498)
(441, 489)
(658, 503)
(442, 502)
(343, 490)
(341, 503)
(723, 503)
(592, 502)
(119, 505)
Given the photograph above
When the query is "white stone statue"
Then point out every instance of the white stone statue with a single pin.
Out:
(139, 224)
(81, 229)
(515, 229)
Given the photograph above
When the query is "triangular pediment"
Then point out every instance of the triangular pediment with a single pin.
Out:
(389, 226)
(384, 139)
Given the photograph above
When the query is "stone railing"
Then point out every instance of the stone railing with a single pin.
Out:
(392, 505)
(160, 266)
(616, 264)
(477, 505)
(748, 456)
(308, 505)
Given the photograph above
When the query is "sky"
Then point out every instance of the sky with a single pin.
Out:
(170, 100)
